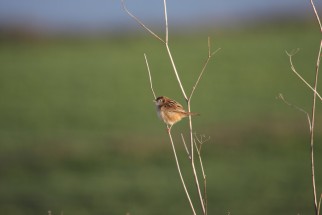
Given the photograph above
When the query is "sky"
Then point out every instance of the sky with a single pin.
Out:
(108, 14)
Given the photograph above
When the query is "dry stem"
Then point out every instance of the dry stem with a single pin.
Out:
(179, 170)
(316, 206)
(290, 55)
(173, 147)
(312, 131)
(188, 99)
(198, 149)
(150, 77)
(166, 41)
(281, 97)
(210, 54)
(185, 145)
(311, 119)
(201, 198)
(316, 15)
(139, 21)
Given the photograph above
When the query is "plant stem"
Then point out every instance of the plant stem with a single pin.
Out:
(312, 130)
(180, 174)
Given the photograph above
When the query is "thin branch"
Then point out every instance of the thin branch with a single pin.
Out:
(166, 42)
(281, 97)
(150, 78)
(201, 141)
(316, 15)
(159, 38)
(204, 209)
(180, 174)
(176, 72)
(185, 146)
(169, 52)
(317, 206)
(194, 168)
(203, 68)
(202, 203)
(312, 132)
(290, 55)
(140, 22)
(205, 199)
(198, 149)
(166, 22)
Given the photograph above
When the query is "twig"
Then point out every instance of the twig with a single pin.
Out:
(185, 146)
(204, 67)
(176, 72)
(316, 15)
(316, 205)
(202, 203)
(201, 141)
(140, 22)
(281, 97)
(169, 51)
(203, 173)
(210, 54)
(312, 123)
(179, 170)
(312, 131)
(290, 55)
(177, 76)
(198, 149)
(166, 42)
(166, 22)
(188, 99)
(147, 65)
(180, 85)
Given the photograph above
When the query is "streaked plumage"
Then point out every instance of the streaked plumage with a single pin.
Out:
(170, 111)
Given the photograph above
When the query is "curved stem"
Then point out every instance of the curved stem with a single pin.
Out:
(312, 131)
(150, 77)
(316, 15)
(202, 203)
(140, 22)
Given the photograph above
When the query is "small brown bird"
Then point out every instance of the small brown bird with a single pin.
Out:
(170, 111)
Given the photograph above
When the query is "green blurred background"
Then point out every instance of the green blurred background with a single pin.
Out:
(79, 133)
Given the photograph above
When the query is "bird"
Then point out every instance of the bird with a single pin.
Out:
(170, 111)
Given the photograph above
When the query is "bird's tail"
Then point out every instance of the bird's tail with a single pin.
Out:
(192, 114)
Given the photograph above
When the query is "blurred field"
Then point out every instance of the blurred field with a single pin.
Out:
(79, 132)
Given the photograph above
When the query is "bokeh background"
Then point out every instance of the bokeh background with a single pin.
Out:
(78, 129)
